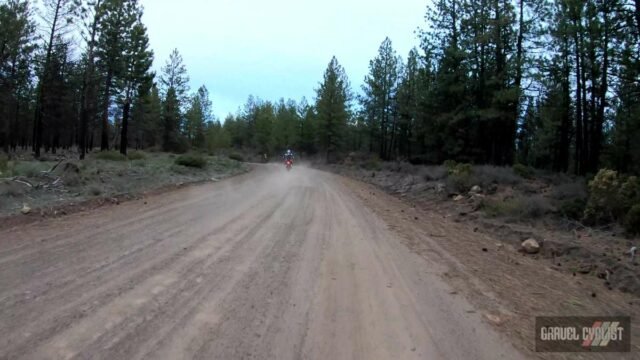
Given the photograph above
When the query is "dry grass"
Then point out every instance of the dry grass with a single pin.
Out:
(521, 207)
(102, 174)
(434, 173)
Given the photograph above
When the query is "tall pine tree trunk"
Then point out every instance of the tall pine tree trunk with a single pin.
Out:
(125, 127)
(565, 126)
(515, 112)
(104, 140)
(596, 146)
(579, 129)
(38, 127)
(636, 13)
(88, 85)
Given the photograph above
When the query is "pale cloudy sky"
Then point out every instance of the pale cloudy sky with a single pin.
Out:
(276, 48)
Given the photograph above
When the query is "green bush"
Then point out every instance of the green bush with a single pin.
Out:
(573, 209)
(192, 160)
(611, 198)
(523, 171)
(632, 220)
(110, 156)
(603, 197)
(236, 157)
(449, 164)
(136, 155)
(371, 164)
(460, 177)
(628, 195)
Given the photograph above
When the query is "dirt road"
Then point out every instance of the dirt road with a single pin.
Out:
(268, 265)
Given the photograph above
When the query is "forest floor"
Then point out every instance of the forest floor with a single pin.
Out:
(59, 184)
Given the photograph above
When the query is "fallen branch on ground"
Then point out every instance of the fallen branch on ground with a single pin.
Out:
(56, 165)
(23, 182)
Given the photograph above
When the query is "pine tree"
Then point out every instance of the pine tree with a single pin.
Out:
(308, 127)
(153, 126)
(332, 106)
(408, 102)
(216, 137)
(171, 119)
(174, 75)
(286, 132)
(17, 31)
(88, 101)
(197, 116)
(135, 78)
(58, 16)
(264, 114)
(119, 17)
(380, 98)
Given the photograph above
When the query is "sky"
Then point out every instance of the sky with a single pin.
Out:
(276, 49)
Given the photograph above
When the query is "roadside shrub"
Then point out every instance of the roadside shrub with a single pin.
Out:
(371, 164)
(535, 206)
(449, 164)
(95, 191)
(611, 198)
(236, 157)
(136, 155)
(603, 197)
(519, 208)
(434, 173)
(485, 175)
(423, 159)
(629, 195)
(4, 163)
(498, 208)
(460, 177)
(557, 179)
(523, 171)
(632, 220)
(571, 190)
(191, 160)
(73, 180)
(573, 209)
(399, 167)
(110, 156)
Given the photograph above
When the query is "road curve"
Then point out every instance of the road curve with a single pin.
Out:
(267, 265)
